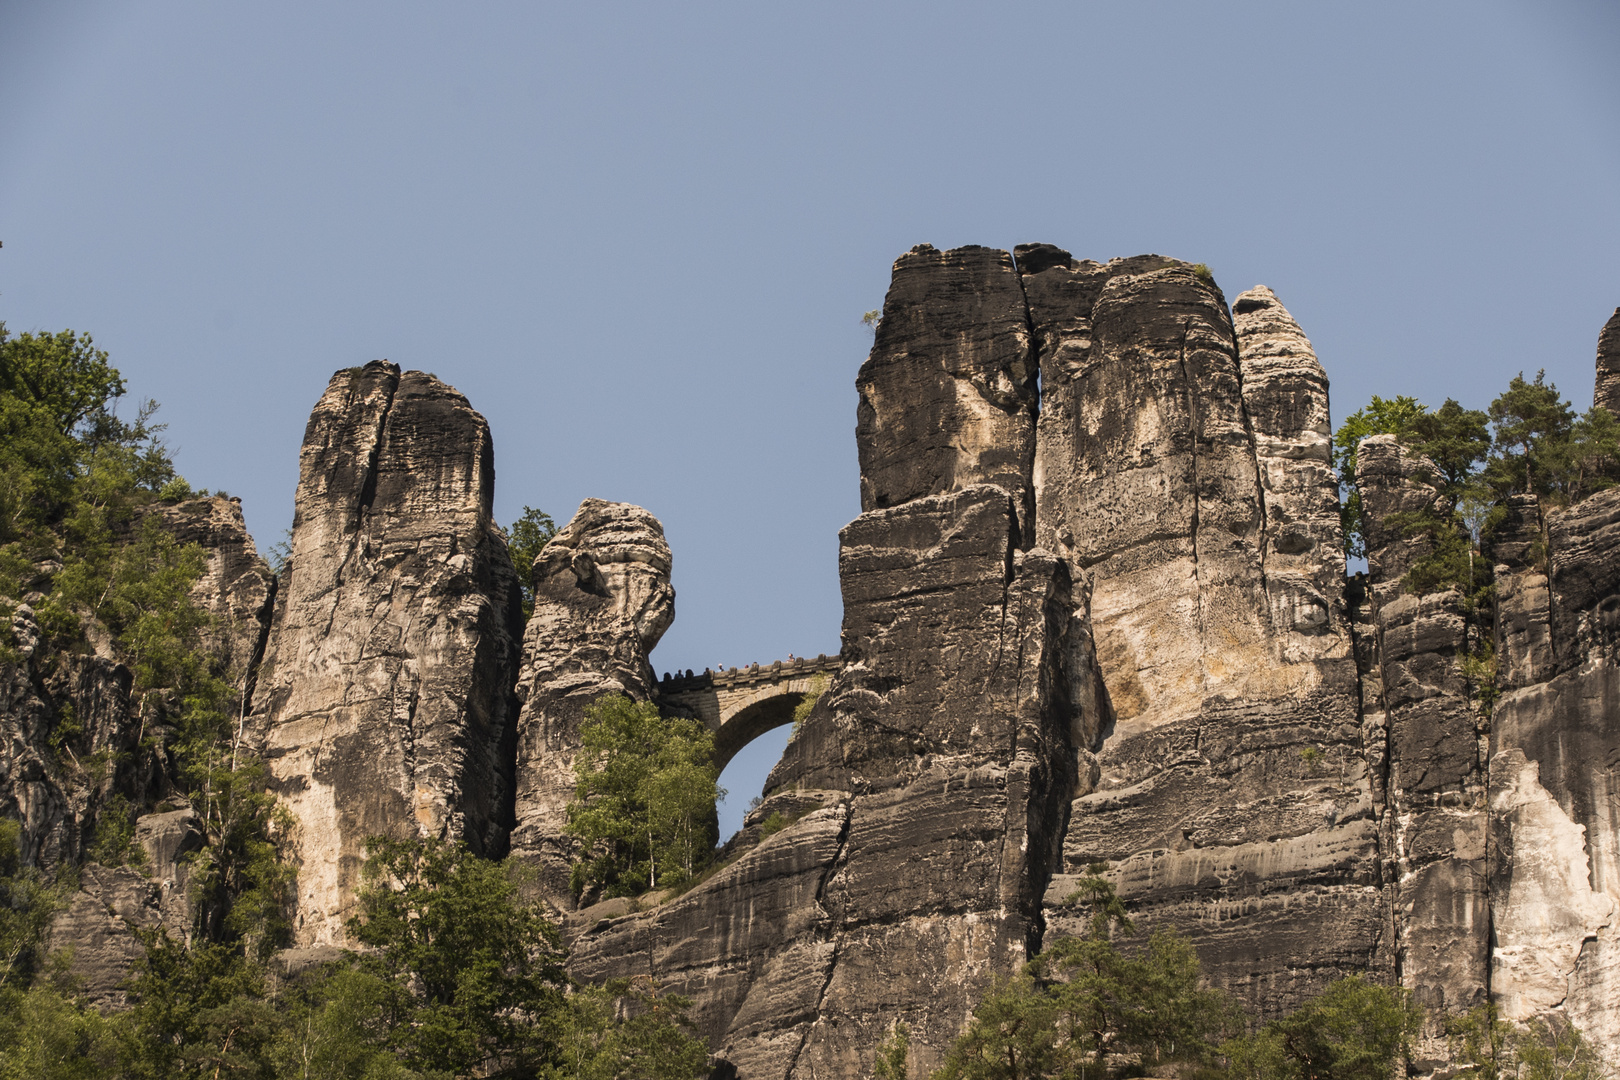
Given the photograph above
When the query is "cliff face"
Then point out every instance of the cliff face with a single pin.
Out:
(384, 704)
(1095, 611)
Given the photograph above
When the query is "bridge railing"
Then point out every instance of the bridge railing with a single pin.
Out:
(753, 674)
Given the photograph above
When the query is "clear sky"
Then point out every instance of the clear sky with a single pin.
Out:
(640, 237)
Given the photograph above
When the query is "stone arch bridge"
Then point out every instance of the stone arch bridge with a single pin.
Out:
(741, 704)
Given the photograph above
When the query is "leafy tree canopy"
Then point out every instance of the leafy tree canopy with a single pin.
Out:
(527, 537)
(643, 811)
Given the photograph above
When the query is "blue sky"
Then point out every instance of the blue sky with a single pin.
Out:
(640, 237)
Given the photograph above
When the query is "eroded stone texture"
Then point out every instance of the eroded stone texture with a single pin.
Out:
(384, 700)
(1230, 776)
(1285, 394)
(1607, 391)
(236, 588)
(602, 599)
(81, 702)
(947, 396)
(1555, 741)
(1434, 813)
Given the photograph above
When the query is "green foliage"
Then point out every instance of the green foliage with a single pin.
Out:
(27, 904)
(460, 977)
(1393, 416)
(892, 1053)
(801, 711)
(627, 1030)
(643, 810)
(113, 843)
(527, 537)
(459, 967)
(48, 1034)
(1084, 1002)
(1354, 1030)
(1531, 421)
(1489, 1048)
(197, 1012)
(774, 823)
(871, 319)
(1203, 273)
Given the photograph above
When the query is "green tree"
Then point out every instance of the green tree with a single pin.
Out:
(626, 1030)
(196, 1012)
(643, 810)
(1084, 1003)
(1490, 1048)
(1354, 1030)
(1013, 1035)
(1393, 416)
(526, 539)
(1531, 424)
(892, 1053)
(460, 968)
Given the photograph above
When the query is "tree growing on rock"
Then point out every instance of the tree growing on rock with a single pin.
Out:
(643, 811)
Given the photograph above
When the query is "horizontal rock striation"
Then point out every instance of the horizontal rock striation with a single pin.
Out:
(384, 703)
(1420, 709)
(1555, 749)
(1182, 470)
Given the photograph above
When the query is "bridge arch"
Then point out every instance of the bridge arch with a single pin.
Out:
(740, 704)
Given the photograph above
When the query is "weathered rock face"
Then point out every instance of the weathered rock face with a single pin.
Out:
(384, 702)
(237, 588)
(1182, 467)
(1434, 813)
(1555, 748)
(1607, 392)
(602, 599)
(947, 397)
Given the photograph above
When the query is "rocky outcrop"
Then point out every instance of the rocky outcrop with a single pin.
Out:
(1434, 814)
(237, 587)
(602, 599)
(1182, 469)
(948, 396)
(384, 702)
(1607, 391)
(61, 709)
(1285, 397)
(1555, 746)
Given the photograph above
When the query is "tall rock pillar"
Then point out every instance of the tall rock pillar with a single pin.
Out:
(1434, 822)
(385, 698)
(602, 599)
(1181, 468)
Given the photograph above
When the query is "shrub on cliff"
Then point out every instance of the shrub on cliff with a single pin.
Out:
(643, 811)
(1084, 1003)
(526, 539)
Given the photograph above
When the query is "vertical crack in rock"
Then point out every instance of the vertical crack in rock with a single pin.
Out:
(1436, 795)
(1205, 804)
(385, 696)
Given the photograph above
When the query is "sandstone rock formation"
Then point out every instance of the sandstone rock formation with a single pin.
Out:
(1555, 749)
(1434, 816)
(384, 702)
(1182, 468)
(602, 599)
(1607, 391)
(1095, 610)
(237, 588)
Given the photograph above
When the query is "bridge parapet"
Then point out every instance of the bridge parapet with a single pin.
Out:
(748, 675)
(740, 704)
